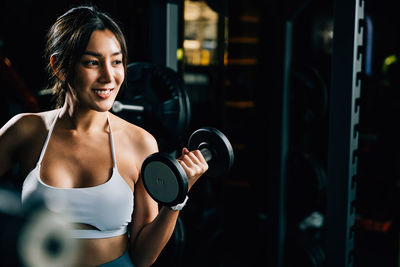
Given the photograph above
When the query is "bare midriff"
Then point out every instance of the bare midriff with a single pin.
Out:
(97, 251)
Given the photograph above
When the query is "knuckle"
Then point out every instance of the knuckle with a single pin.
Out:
(189, 172)
(205, 167)
(199, 170)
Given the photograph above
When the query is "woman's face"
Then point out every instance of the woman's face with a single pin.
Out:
(100, 72)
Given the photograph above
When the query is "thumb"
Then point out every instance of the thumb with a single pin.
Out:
(184, 151)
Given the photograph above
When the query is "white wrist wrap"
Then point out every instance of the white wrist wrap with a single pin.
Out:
(180, 205)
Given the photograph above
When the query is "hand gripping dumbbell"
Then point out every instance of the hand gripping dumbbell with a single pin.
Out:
(165, 179)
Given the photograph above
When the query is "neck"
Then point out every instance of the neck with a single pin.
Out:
(81, 119)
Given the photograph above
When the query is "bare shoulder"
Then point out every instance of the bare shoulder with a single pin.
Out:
(21, 133)
(140, 139)
(25, 124)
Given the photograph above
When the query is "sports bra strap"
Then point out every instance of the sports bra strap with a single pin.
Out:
(112, 142)
(48, 137)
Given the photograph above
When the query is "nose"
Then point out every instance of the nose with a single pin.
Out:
(106, 73)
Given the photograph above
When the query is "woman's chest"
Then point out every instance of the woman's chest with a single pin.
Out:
(85, 162)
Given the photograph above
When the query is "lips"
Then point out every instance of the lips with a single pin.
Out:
(103, 92)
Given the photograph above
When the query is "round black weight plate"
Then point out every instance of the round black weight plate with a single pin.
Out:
(164, 179)
(220, 147)
(187, 114)
(161, 92)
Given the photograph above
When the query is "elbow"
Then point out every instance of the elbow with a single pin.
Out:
(143, 258)
(144, 262)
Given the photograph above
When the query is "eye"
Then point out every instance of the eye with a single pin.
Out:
(117, 62)
(91, 63)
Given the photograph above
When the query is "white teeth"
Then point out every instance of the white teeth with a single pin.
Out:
(102, 92)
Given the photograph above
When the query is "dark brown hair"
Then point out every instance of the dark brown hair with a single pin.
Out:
(67, 40)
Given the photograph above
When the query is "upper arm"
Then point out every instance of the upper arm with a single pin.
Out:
(11, 138)
(145, 209)
(15, 136)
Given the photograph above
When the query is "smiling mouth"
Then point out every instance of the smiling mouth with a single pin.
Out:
(103, 93)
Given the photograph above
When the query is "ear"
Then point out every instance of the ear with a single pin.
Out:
(59, 74)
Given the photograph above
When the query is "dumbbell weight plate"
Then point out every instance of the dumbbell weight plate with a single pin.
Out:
(45, 241)
(165, 179)
(220, 147)
(35, 235)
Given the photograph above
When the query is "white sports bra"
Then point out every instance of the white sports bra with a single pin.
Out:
(108, 206)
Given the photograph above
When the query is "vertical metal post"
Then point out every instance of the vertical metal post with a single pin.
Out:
(284, 146)
(164, 19)
(274, 67)
(283, 130)
(278, 145)
(157, 11)
(343, 135)
(172, 27)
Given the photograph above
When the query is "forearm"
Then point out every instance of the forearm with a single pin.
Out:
(151, 240)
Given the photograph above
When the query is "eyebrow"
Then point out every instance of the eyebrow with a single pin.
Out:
(91, 53)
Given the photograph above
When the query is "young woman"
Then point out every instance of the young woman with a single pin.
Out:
(88, 157)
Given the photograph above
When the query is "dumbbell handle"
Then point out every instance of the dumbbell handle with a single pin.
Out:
(207, 154)
(118, 107)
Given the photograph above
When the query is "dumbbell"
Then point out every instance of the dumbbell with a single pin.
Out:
(165, 179)
(34, 235)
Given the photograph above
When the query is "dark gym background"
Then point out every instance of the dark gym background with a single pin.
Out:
(230, 220)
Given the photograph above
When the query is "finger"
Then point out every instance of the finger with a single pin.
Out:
(185, 151)
(187, 158)
(182, 163)
(196, 162)
(200, 157)
(194, 157)
(200, 160)
(186, 168)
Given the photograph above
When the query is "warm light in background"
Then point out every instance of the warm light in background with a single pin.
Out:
(200, 34)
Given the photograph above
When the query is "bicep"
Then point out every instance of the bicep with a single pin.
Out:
(8, 145)
(145, 209)
(15, 137)
(5, 158)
